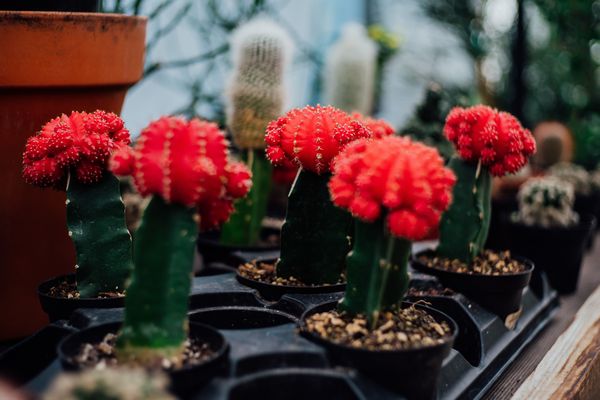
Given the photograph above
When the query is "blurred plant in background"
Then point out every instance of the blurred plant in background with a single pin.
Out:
(388, 45)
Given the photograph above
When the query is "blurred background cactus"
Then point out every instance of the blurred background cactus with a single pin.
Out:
(256, 95)
(350, 71)
(110, 384)
(546, 202)
(573, 174)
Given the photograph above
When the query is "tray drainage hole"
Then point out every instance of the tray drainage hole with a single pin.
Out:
(296, 386)
(241, 317)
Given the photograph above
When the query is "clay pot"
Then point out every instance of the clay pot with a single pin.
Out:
(52, 63)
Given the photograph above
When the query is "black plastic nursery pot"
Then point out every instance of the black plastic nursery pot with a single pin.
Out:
(412, 372)
(241, 317)
(62, 307)
(272, 292)
(588, 204)
(213, 251)
(500, 294)
(183, 381)
(558, 251)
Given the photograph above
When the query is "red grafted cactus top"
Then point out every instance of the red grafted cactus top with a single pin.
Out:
(407, 178)
(379, 128)
(186, 162)
(311, 137)
(80, 143)
(495, 138)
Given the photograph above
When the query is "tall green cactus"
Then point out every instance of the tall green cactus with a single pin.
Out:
(156, 305)
(376, 270)
(256, 95)
(465, 225)
(244, 225)
(315, 237)
(96, 223)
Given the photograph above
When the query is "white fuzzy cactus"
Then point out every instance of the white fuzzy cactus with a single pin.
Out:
(350, 69)
(547, 202)
(573, 174)
(260, 50)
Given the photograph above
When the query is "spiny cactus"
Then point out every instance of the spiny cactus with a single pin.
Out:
(379, 128)
(573, 174)
(314, 237)
(397, 189)
(184, 166)
(70, 153)
(109, 384)
(350, 69)
(487, 143)
(546, 202)
(256, 95)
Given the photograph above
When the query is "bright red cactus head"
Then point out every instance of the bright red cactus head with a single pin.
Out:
(185, 162)
(379, 127)
(407, 178)
(80, 143)
(497, 139)
(285, 173)
(311, 137)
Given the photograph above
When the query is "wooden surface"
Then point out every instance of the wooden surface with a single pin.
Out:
(531, 357)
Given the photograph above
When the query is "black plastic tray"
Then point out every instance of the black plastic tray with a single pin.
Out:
(268, 357)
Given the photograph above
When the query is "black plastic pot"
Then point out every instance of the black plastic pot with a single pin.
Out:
(51, 5)
(558, 251)
(240, 317)
(498, 236)
(413, 373)
(272, 292)
(62, 308)
(500, 294)
(213, 251)
(587, 204)
(183, 381)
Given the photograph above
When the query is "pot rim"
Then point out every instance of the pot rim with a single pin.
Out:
(7, 15)
(44, 293)
(586, 222)
(243, 280)
(359, 350)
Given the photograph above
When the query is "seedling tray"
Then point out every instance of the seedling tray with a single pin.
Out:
(268, 358)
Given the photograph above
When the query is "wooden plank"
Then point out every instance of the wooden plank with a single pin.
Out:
(571, 368)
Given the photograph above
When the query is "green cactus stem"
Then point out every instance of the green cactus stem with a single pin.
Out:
(377, 276)
(96, 223)
(465, 225)
(156, 324)
(244, 225)
(315, 235)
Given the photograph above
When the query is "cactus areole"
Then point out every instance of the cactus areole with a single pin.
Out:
(184, 165)
(488, 143)
(397, 190)
(71, 153)
(314, 237)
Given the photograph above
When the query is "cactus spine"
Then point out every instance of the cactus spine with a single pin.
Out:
(96, 223)
(465, 225)
(256, 95)
(350, 71)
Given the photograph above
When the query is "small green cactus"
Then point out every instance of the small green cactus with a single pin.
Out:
(350, 70)
(256, 95)
(109, 384)
(573, 174)
(546, 202)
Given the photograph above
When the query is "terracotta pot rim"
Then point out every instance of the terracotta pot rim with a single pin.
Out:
(69, 16)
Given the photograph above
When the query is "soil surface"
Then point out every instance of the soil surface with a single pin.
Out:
(395, 330)
(265, 272)
(429, 291)
(69, 291)
(100, 355)
(488, 263)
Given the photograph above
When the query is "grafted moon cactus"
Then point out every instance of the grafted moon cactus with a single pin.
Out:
(547, 202)
(488, 142)
(379, 128)
(314, 237)
(184, 165)
(261, 50)
(397, 190)
(71, 153)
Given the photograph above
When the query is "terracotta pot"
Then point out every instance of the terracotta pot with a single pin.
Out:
(52, 63)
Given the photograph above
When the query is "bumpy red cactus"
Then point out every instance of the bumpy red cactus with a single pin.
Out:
(408, 178)
(497, 139)
(379, 128)
(185, 162)
(80, 142)
(311, 137)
